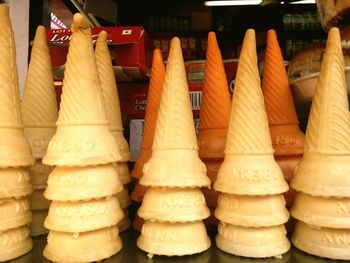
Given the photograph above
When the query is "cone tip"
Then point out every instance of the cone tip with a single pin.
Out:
(333, 36)
(4, 9)
(175, 41)
(157, 55)
(102, 38)
(211, 36)
(41, 32)
(79, 22)
(271, 35)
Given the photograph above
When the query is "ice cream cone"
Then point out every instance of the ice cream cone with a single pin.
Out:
(82, 183)
(175, 161)
(322, 211)
(15, 182)
(138, 193)
(326, 162)
(215, 107)
(177, 239)
(38, 201)
(14, 150)
(39, 173)
(125, 222)
(153, 100)
(211, 197)
(252, 211)
(173, 205)
(138, 223)
(287, 139)
(123, 198)
(249, 167)
(14, 213)
(123, 173)
(69, 247)
(37, 226)
(39, 104)
(323, 242)
(83, 216)
(82, 137)
(14, 242)
(261, 242)
(110, 94)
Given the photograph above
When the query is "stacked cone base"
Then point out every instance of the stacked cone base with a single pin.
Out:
(39, 173)
(37, 225)
(14, 243)
(123, 173)
(123, 198)
(14, 213)
(142, 159)
(15, 183)
(323, 242)
(38, 139)
(173, 239)
(252, 242)
(69, 247)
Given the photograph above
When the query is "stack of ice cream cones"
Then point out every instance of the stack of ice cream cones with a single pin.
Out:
(213, 119)
(173, 207)
(251, 206)
(287, 138)
(153, 99)
(40, 113)
(111, 97)
(322, 204)
(84, 212)
(15, 153)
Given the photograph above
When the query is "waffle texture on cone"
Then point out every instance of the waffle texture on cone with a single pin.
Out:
(153, 100)
(260, 242)
(322, 211)
(123, 172)
(249, 165)
(38, 201)
(328, 130)
(70, 247)
(39, 173)
(173, 239)
(110, 94)
(252, 211)
(14, 242)
(215, 107)
(125, 222)
(39, 104)
(83, 216)
(82, 137)
(175, 161)
(14, 150)
(286, 136)
(37, 226)
(15, 182)
(14, 213)
(138, 193)
(173, 205)
(123, 198)
(82, 183)
(323, 242)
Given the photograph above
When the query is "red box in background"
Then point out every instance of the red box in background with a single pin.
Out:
(131, 51)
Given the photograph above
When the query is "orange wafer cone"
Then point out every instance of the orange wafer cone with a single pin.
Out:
(110, 94)
(215, 108)
(324, 168)
(153, 100)
(287, 139)
(39, 104)
(83, 136)
(175, 161)
(249, 167)
(14, 150)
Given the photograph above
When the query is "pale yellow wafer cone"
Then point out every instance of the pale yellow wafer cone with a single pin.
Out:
(83, 216)
(39, 174)
(14, 242)
(82, 183)
(37, 227)
(322, 211)
(15, 183)
(83, 137)
(14, 150)
(84, 247)
(177, 239)
(326, 162)
(123, 172)
(38, 201)
(255, 242)
(175, 161)
(323, 242)
(249, 167)
(14, 213)
(173, 205)
(110, 94)
(39, 104)
(124, 198)
(252, 211)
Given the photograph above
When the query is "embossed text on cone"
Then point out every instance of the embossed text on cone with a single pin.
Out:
(83, 136)
(39, 104)
(110, 94)
(175, 161)
(324, 168)
(14, 150)
(249, 167)
(153, 100)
